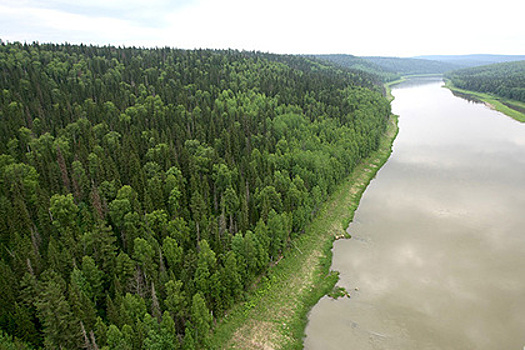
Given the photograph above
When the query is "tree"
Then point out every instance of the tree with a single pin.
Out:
(118, 209)
(201, 321)
(25, 328)
(278, 234)
(132, 308)
(157, 221)
(165, 337)
(94, 279)
(81, 305)
(205, 268)
(54, 312)
(144, 255)
(231, 279)
(231, 203)
(140, 178)
(116, 340)
(100, 242)
(253, 253)
(268, 199)
(173, 254)
(124, 268)
(64, 212)
(80, 181)
(176, 302)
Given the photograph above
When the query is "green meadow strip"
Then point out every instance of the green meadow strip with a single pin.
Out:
(509, 107)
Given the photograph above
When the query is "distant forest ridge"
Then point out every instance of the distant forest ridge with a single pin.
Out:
(392, 68)
(411, 66)
(473, 60)
(362, 64)
(389, 68)
(502, 79)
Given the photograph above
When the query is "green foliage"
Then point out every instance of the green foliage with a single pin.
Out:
(7, 342)
(338, 292)
(502, 79)
(358, 63)
(143, 185)
(293, 286)
(464, 61)
(411, 66)
(54, 313)
(201, 320)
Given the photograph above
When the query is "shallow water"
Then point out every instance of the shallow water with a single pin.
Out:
(437, 258)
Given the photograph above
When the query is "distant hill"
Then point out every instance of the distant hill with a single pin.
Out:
(472, 60)
(390, 68)
(409, 66)
(358, 63)
(505, 79)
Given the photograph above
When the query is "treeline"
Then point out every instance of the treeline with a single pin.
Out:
(502, 79)
(411, 66)
(387, 69)
(358, 63)
(142, 191)
(465, 61)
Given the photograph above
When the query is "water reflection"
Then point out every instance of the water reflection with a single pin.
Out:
(467, 97)
(439, 243)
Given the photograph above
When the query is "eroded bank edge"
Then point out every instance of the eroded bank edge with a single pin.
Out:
(505, 106)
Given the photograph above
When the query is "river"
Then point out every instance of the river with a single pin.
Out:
(437, 255)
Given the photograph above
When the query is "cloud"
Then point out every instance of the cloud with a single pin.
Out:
(273, 25)
(53, 25)
(375, 27)
(132, 10)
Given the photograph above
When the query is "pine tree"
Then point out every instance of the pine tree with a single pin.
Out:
(54, 312)
(201, 320)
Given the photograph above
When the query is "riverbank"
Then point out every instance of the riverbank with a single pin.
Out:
(388, 86)
(511, 108)
(275, 314)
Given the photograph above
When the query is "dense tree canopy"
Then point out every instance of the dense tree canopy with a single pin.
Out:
(409, 66)
(385, 74)
(502, 79)
(473, 60)
(390, 68)
(143, 190)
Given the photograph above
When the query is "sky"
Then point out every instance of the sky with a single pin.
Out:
(400, 28)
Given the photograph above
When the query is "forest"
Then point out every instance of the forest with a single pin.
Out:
(502, 79)
(388, 69)
(465, 61)
(411, 66)
(144, 191)
(358, 63)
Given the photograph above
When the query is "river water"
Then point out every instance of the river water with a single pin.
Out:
(437, 258)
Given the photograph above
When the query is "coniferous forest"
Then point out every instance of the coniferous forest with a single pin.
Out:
(359, 63)
(411, 66)
(143, 191)
(502, 79)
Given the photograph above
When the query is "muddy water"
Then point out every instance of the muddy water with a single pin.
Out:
(437, 258)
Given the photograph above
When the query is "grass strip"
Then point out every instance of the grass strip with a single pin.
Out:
(511, 108)
(388, 86)
(274, 316)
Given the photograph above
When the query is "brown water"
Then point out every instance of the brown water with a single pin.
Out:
(438, 248)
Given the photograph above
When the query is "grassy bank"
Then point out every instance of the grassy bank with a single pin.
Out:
(388, 87)
(390, 84)
(275, 314)
(514, 109)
